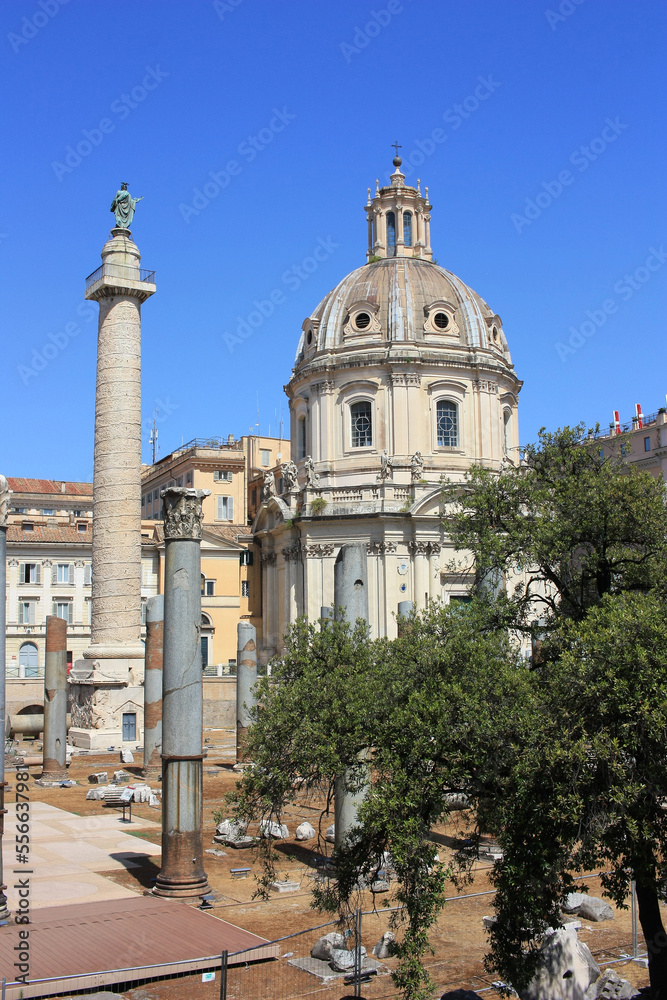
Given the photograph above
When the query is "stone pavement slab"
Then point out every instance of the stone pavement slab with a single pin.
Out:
(67, 852)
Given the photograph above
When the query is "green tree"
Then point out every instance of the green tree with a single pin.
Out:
(589, 788)
(581, 540)
(432, 706)
(569, 524)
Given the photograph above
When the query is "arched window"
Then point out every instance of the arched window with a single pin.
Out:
(447, 420)
(28, 660)
(301, 438)
(361, 424)
(407, 228)
(507, 416)
(391, 234)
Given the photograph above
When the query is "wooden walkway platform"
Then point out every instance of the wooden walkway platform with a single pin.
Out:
(96, 944)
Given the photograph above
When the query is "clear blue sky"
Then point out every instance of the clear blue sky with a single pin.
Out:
(306, 98)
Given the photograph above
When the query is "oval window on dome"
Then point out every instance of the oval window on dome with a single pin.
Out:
(441, 320)
(309, 337)
(362, 321)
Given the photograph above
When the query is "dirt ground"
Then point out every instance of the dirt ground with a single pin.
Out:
(459, 939)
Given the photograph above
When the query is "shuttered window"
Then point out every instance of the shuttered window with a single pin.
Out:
(88, 574)
(27, 612)
(63, 609)
(224, 508)
(62, 573)
(30, 573)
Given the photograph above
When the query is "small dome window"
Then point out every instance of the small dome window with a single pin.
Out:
(391, 234)
(441, 320)
(362, 320)
(407, 228)
(309, 337)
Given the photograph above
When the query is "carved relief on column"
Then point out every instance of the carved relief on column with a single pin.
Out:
(183, 512)
(318, 550)
(379, 548)
(419, 548)
(268, 558)
(291, 551)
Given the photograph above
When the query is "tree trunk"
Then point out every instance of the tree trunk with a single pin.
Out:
(655, 937)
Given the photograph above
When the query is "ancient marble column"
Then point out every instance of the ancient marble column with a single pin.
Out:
(246, 678)
(55, 701)
(182, 874)
(5, 494)
(350, 603)
(114, 659)
(153, 686)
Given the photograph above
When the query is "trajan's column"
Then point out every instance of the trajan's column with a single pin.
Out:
(107, 700)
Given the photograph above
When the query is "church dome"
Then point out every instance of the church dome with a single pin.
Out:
(402, 299)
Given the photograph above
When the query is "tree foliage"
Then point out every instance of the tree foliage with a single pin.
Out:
(431, 707)
(568, 523)
(563, 759)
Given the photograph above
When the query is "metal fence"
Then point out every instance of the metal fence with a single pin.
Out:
(284, 969)
(122, 271)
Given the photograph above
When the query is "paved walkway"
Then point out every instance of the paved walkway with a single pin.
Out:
(67, 851)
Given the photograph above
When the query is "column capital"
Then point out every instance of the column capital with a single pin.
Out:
(183, 512)
(5, 495)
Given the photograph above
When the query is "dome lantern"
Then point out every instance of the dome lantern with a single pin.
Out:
(399, 221)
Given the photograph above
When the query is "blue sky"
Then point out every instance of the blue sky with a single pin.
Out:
(546, 176)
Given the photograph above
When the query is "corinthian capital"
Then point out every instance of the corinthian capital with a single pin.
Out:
(5, 494)
(183, 513)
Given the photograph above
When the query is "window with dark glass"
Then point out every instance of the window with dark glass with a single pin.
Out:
(301, 438)
(361, 424)
(447, 424)
(407, 228)
(391, 234)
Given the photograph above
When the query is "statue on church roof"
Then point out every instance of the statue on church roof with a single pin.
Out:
(417, 466)
(386, 467)
(312, 477)
(269, 485)
(123, 207)
(289, 472)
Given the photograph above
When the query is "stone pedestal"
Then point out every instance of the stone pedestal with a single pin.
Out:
(106, 684)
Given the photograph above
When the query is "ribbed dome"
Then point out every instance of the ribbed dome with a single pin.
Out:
(402, 299)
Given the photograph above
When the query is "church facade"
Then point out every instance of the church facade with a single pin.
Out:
(402, 376)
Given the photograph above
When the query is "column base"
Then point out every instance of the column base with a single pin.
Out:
(168, 888)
